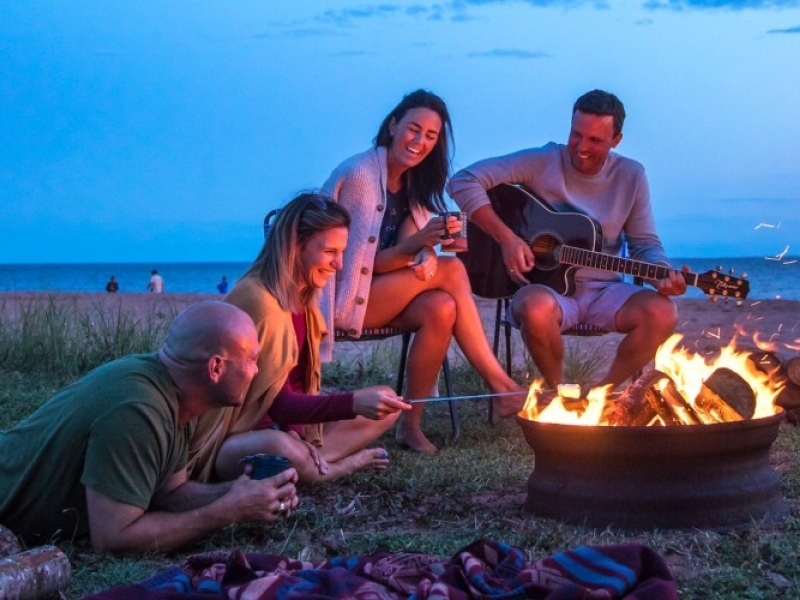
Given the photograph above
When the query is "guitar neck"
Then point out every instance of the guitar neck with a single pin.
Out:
(578, 257)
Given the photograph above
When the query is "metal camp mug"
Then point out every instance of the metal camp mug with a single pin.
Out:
(264, 465)
(460, 238)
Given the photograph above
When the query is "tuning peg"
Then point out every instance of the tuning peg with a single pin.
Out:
(739, 302)
(713, 298)
(719, 268)
(744, 275)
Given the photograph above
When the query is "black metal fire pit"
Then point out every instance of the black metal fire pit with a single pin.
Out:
(704, 476)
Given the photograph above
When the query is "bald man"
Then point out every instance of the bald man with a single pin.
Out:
(106, 456)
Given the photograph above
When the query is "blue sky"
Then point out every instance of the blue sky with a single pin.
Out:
(161, 131)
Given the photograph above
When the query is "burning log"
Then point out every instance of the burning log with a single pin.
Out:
(633, 406)
(786, 374)
(726, 396)
(678, 404)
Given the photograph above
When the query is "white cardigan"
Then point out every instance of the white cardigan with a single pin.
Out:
(358, 184)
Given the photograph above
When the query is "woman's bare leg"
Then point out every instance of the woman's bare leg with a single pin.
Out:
(343, 449)
(431, 316)
(392, 292)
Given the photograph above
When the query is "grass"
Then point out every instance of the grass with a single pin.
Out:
(470, 490)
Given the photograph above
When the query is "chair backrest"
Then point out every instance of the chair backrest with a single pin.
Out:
(268, 221)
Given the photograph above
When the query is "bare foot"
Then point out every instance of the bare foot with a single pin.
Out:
(414, 439)
(368, 458)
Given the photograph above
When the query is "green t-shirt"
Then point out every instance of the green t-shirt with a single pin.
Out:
(115, 430)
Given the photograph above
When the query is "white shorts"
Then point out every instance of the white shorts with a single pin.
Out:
(594, 302)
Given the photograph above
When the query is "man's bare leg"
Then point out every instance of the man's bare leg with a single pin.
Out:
(539, 316)
(647, 319)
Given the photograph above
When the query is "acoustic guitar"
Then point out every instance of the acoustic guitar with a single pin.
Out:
(562, 242)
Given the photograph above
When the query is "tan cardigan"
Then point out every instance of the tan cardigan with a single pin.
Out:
(278, 355)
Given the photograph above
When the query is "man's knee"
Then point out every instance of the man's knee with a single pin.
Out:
(656, 312)
(536, 310)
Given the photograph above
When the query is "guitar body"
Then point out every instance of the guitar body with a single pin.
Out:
(563, 242)
(544, 229)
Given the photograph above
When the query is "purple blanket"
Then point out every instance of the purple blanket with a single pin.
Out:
(484, 569)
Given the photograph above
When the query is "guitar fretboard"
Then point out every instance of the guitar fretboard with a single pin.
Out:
(570, 255)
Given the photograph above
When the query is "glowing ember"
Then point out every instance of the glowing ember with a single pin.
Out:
(682, 388)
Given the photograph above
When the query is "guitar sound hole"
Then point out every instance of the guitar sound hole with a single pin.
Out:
(545, 251)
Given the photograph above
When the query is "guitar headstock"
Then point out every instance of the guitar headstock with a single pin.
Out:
(720, 285)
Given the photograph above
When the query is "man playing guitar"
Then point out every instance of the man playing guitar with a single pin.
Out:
(583, 176)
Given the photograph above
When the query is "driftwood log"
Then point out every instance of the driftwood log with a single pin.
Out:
(9, 544)
(38, 573)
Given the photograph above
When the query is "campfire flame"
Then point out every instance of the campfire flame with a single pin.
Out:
(687, 372)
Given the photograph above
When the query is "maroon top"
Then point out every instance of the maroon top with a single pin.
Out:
(292, 407)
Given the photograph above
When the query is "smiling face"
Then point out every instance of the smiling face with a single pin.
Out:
(414, 136)
(241, 366)
(591, 138)
(322, 255)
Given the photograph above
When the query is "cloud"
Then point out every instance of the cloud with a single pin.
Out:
(795, 29)
(508, 53)
(348, 16)
(723, 4)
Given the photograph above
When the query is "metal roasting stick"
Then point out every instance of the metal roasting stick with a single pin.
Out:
(473, 397)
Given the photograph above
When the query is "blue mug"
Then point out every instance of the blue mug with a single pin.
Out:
(264, 465)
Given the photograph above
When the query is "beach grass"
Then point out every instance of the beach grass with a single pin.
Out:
(472, 489)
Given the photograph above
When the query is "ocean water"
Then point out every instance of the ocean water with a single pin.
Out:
(768, 279)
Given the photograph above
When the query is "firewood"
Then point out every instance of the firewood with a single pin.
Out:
(661, 407)
(734, 390)
(789, 400)
(679, 404)
(792, 369)
(633, 407)
(9, 544)
(726, 396)
(38, 573)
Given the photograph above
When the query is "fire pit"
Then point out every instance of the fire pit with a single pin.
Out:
(666, 453)
(638, 477)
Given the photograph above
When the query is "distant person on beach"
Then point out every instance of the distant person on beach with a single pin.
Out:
(156, 283)
(112, 287)
(324, 435)
(106, 456)
(393, 276)
(582, 176)
(222, 286)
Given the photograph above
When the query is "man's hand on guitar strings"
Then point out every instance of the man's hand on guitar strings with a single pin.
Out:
(518, 260)
(674, 284)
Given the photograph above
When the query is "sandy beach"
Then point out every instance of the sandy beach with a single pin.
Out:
(704, 325)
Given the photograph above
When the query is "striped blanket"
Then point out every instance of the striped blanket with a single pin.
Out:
(484, 569)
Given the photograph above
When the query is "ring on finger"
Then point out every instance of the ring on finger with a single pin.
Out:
(282, 507)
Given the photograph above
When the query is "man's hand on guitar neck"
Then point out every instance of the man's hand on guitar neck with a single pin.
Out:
(673, 285)
(517, 256)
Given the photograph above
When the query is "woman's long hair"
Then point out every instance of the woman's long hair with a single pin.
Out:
(276, 266)
(424, 183)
